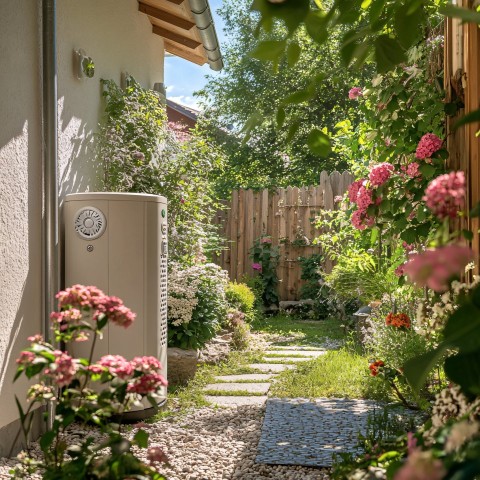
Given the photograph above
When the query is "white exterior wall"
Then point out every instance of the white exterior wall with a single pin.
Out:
(119, 39)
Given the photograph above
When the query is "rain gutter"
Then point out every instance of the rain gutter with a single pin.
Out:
(50, 229)
(206, 27)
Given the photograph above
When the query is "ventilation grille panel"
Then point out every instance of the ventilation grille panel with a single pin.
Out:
(163, 302)
(90, 223)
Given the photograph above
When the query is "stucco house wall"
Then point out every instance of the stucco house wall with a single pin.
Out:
(119, 39)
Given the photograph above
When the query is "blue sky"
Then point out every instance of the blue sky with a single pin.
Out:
(182, 78)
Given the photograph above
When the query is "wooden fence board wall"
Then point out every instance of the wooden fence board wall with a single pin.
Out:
(286, 215)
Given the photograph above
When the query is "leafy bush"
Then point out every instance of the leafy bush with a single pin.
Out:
(196, 304)
(240, 329)
(255, 284)
(142, 153)
(311, 275)
(265, 258)
(240, 296)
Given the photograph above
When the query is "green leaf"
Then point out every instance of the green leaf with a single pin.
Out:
(46, 440)
(469, 118)
(407, 25)
(475, 211)
(388, 53)
(319, 143)
(141, 438)
(417, 369)
(269, 50)
(316, 24)
(409, 235)
(299, 97)
(467, 235)
(464, 370)
(102, 321)
(374, 236)
(292, 131)
(293, 53)
(458, 12)
(461, 329)
(427, 170)
(451, 109)
(292, 12)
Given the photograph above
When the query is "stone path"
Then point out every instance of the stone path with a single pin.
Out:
(294, 431)
(302, 432)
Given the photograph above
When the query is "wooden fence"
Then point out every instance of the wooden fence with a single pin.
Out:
(286, 215)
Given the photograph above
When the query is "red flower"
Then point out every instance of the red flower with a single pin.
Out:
(375, 367)
(398, 320)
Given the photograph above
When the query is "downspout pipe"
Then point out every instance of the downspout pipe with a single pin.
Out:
(204, 21)
(50, 228)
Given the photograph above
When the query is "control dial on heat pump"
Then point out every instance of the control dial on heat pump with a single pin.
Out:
(90, 223)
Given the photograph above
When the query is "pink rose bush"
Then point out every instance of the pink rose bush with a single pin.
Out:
(445, 195)
(428, 145)
(70, 383)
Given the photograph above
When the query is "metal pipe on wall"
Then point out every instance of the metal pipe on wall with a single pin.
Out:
(50, 228)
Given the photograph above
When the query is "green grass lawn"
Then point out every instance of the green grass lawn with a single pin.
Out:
(286, 330)
(341, 374)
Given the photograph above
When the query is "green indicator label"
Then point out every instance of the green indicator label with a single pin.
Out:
(163, 213)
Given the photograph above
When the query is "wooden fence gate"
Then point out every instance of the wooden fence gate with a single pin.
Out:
(286, 215)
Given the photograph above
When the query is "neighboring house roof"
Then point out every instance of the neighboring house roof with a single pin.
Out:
(184, 117)
(187, 28)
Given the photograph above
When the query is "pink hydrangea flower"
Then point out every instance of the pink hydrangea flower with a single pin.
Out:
(364, 199)
(35, 338)
(26, 358)
(436, 268)
(62, 370)
(146, 364)
(116, 311)
(354, 93)
(400, 270)
(428, 145)
(380, 173)
(445, 195)
(361, 221)
(70, 316)
(147, 383)
(266, 240)
(421, 466)
(117, 366)
(257, 267)
(353, 190)
(338, 199)
(408, 246)
(412, 170)
(80, 297)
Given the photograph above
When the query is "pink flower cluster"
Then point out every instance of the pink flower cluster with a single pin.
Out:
(62, 370)
(156, 455)
(428, 145)
(361, 195)
(421, 466)
(412, 169)
(26, 358)
(116, 311)
(80, 297)
(72, 300)
(117, 365)
(436, 268)
(354, 93)
(445, 195)
(266, 240)
(380, 173)
(150, 381)
(257, 267)
(147, 364)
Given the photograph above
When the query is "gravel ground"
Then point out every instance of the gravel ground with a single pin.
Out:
(212, 444)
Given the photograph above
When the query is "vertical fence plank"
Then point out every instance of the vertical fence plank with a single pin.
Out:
(241, 235)
(249, 219)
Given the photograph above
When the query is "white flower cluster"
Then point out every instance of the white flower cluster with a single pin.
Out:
(185, 287)
(451, 404)
(433, 317)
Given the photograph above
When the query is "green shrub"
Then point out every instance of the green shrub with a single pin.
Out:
(240, 296)
(255, 284)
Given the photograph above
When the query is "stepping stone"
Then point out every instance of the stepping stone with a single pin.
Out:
(304, 353)
(295, 348)
(288, 359)
(271, 367)
(254, 377)
(233, 387)
(231, 401)
(302, 432)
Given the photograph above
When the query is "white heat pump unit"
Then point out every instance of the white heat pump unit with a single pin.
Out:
(118, 243)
